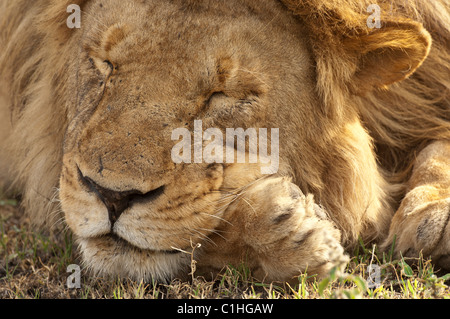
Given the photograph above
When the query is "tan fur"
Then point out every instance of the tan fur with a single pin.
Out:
(354, 105)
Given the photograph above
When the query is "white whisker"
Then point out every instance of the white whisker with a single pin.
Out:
(217, 217)
(214, 231)
(203, 236)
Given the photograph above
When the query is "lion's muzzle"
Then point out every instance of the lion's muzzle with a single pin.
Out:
(117, 202)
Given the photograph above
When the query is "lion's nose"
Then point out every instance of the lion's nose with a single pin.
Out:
(118, 202)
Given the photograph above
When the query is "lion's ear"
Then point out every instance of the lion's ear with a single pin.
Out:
(387, 55)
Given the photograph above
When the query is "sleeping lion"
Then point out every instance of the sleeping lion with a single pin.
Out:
(92, 91)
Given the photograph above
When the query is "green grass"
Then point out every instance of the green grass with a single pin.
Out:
(33, 265)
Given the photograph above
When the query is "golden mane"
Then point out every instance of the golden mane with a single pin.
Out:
(33, 64)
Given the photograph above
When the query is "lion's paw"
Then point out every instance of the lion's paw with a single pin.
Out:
(287, 231)
(421, 225)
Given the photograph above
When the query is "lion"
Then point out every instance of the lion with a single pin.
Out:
(87, 116)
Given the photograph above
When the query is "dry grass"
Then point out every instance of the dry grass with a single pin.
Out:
(32, 265)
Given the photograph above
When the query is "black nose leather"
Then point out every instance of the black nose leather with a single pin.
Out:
(115, 202)
(118, 202)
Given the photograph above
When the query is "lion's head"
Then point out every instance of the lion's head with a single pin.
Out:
(116, 89)
(120, 189)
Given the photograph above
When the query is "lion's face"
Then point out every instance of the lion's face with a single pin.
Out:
(143, 70)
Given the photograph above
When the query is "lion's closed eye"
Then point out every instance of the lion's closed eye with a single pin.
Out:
(216, 99)
(105, 67)
(109, 65)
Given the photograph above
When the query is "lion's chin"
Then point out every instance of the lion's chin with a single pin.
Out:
(111, 256)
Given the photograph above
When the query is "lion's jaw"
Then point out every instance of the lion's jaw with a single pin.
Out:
(119, 140)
